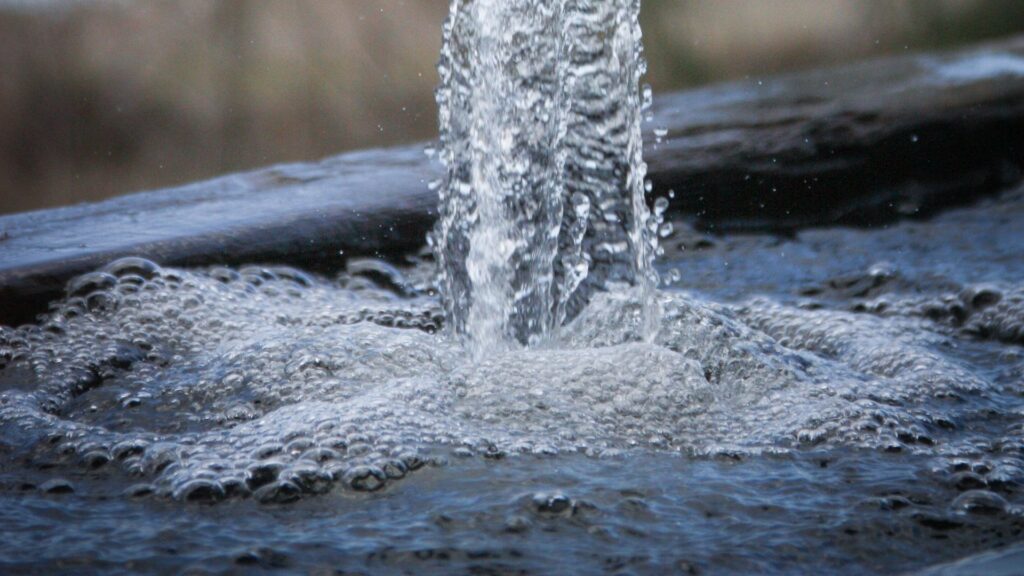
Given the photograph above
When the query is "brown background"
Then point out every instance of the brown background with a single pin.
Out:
(99, 98)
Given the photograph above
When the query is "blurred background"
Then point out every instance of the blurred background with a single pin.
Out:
(105, 97)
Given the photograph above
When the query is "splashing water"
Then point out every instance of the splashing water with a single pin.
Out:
(543, 202)
(269, 382)
(275, 385)
(206, 383)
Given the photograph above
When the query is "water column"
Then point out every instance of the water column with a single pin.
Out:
(604, 170)
(542, 203)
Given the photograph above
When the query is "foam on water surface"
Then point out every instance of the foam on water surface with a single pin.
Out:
(212, 383)
(550, 349)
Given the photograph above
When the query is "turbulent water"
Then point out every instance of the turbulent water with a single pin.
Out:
(846, 405)
(840, 401)
(543, 202)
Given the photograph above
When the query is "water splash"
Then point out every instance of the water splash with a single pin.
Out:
(543, 200)
(273, 384)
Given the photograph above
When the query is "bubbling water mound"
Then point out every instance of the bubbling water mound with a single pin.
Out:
(272, 383)
(989, 311)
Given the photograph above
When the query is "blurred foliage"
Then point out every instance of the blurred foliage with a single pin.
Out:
(103, 97)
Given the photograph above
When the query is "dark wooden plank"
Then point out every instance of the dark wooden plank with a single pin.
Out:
(313, 215)
(858, 144)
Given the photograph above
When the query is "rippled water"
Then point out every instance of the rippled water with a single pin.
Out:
(851, 413)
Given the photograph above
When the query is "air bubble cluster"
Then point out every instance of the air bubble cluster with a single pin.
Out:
(273, 384)
(987, 311)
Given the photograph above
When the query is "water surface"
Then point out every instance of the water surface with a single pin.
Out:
(840, 400)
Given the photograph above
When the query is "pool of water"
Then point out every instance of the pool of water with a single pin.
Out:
(835, 512)
(835, 400)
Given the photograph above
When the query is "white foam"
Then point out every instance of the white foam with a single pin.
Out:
(211, 383)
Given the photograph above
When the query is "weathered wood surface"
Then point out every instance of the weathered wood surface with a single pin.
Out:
(310, 215)
(856, 144)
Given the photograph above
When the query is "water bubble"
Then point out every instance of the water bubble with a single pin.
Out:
(307, 476)
(278, 493)
(968, 481)
(128, 448)
(200, 490)
(365, 478)
(134, 268)
(320, 455)
(647, 95)
(394, 469)
(57, 486)
(553, 504)
(139, 490)
(517, 524)
(95, 459)
(980, 502)
(660, 206)
(92, 283)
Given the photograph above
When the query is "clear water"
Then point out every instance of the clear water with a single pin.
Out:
(543, 203)
(841, 401)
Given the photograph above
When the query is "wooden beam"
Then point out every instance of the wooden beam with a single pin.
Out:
(859, 144)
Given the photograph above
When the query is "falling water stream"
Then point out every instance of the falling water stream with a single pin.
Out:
(543, 203)
(839, 401)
